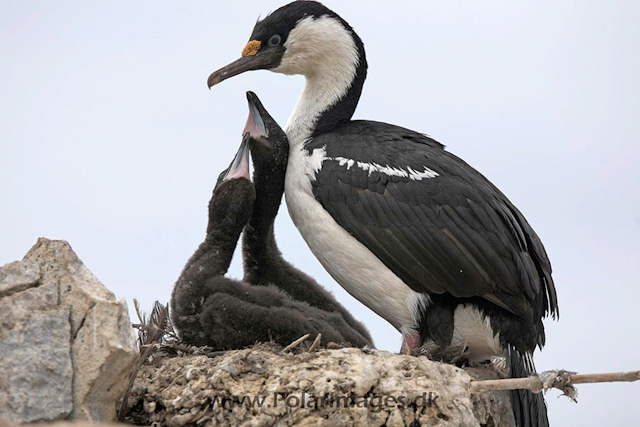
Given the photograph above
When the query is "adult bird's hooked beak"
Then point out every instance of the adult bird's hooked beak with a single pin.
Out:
(254, 57)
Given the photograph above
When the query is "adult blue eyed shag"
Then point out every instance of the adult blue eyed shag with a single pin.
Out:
(210, 309)
(409, 229)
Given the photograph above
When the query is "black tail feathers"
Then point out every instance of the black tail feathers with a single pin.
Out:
(529, 408)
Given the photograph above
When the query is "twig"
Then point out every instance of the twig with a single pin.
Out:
(152, 332)
(132, 378)
(141, 316)
(316, 343)
(294, 344)
(613, 377)
(562, 380)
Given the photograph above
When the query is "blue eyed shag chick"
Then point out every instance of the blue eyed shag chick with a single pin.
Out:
(210, 309)
(262, 260)
(409, 229)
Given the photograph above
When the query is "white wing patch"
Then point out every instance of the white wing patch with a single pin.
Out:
(316, 159)
(409, 172)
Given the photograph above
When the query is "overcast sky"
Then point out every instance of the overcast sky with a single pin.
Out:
(110, 139)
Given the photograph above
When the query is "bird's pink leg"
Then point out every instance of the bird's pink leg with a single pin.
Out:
(410, 342)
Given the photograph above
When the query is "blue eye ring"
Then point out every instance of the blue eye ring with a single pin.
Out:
(274, 40)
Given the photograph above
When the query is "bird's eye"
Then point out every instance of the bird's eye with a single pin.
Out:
(275, 40)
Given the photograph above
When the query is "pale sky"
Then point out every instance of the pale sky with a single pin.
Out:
(110, 140)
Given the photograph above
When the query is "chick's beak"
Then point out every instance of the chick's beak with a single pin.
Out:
(239, 167)
(255, 126)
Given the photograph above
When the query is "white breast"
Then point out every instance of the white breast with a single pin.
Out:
(348, 261)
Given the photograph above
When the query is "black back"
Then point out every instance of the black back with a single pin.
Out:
(452, 233)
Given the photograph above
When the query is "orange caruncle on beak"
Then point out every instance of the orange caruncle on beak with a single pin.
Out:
(251, 48)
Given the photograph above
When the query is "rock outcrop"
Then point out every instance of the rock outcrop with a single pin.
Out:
(67, 350)
(342, 387)
(66, 343)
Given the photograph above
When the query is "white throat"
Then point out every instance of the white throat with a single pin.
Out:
(324, 52)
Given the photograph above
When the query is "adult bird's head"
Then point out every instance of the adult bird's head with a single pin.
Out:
(268, 142)
(303, 37)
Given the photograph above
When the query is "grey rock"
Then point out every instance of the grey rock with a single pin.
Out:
(20, 306)
(66, 343)
(78, 287)
(36, 376)
(104, 352)
(17, 276)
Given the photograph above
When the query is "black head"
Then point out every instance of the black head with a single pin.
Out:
(268, 142)
(233, 196)
(294, 39)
